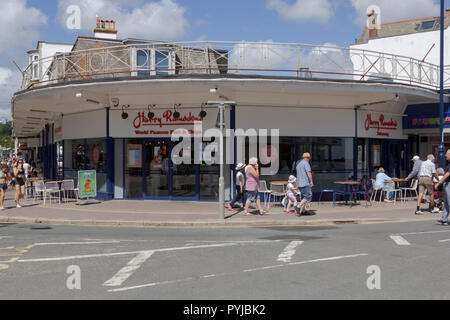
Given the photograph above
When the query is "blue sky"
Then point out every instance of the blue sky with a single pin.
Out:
(234, 20)
(337, 22)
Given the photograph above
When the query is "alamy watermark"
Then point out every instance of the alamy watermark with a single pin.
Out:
(74, 280)
(374, 281)
(73, 21)
(214, 146)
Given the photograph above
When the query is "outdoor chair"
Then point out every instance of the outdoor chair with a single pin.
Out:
(29, 190)
(362, 190)
(395, 191)
(51, 189)
(412, 188)
(39, 189)
(375, 191)
(333, 192)
(69, 186)
(266, 192)
(277, 191)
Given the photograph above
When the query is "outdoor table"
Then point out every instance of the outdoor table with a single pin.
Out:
(348, 185)
(280, 183)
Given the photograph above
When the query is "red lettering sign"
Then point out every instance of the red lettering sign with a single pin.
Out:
(167, 119)
(383, 127)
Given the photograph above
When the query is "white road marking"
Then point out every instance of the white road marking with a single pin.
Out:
(399, 240)
(427, 232)
(3, 266)
(289, 251)
(446, 240)
(75, 243)
(124, 253)
(129, 269)
(235, 273)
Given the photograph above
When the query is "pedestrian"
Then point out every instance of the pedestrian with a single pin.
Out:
(252, 185)
(3, 186)
(19, 176)
(304, 182)
(26, 167)
(383, 182)
(291, 194)
(417, 164)
(446, 191)
(426, 173)
(240, 187)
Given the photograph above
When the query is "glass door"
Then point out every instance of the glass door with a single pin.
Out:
(156, 173)
(185, 175)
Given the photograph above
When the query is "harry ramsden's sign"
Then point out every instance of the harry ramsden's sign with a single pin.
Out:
(383, 127)
(167, 119)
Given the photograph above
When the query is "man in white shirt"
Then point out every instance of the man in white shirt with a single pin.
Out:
(26, 168)
(426, 173)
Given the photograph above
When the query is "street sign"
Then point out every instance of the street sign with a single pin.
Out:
(87, 181)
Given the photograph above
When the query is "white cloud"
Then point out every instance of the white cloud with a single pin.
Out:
(303, 10)
(157, 20)
(9, 84)
(19, 24)
(396, 10)
(20, 30)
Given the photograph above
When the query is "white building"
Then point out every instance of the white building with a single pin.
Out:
(109, 104)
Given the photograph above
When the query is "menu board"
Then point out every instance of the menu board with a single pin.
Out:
(134, 156)
(87, 181)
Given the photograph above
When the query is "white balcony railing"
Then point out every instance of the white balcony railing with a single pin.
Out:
(245, 58)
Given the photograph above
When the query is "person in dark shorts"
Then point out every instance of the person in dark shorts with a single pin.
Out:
(19, 175)
(3, 186)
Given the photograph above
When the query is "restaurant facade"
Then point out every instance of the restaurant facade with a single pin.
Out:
(118, 111)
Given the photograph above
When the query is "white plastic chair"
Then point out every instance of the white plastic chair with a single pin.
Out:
(277, 191)
(39, 189)
(267, 193)
(411, 188)
(52, 188)
(67, 186)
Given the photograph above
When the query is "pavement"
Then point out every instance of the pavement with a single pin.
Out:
(135, 213)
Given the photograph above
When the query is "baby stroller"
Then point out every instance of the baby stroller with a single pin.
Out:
(438, 201)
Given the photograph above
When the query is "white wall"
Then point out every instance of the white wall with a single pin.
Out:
(47, 50)
(84, 125)
(411, 45)
(298, 122)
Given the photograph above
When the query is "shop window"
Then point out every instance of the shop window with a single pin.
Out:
(332, 159)
(184, 174)
(78, 155)
(209, 173)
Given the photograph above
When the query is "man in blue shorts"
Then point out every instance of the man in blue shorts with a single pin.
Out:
(305, 182)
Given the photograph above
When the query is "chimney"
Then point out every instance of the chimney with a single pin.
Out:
(105, 29)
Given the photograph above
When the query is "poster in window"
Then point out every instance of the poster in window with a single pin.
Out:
(134, 156)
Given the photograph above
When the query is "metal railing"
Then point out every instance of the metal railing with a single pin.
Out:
(244, 58)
